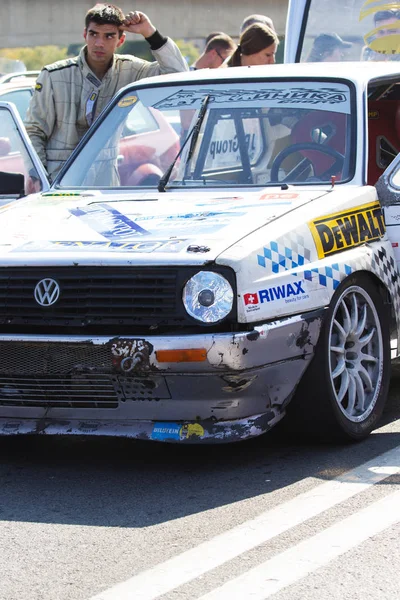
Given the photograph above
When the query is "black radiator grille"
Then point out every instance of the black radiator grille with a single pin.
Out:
(56, 374)
(95, 297)
(60, 392)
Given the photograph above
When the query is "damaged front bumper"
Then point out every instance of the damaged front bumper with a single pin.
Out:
(183, 388)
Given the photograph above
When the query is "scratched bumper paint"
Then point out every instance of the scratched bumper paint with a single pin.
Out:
(201, 432)
(238, 392)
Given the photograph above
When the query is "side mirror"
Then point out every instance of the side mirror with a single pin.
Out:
(12, 183)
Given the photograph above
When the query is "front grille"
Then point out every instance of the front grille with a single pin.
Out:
(96, 299)
(62, 392)
(27, 358)
(56, 374)
(70, 375)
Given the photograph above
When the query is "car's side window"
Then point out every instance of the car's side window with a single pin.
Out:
(21, 99)
(15, 163)
(383, 128)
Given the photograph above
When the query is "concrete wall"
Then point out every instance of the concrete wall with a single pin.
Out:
(61, 22)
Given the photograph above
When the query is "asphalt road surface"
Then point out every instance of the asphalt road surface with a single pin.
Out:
(108, 519)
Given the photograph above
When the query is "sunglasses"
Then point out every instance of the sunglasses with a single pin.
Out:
(384, 15)
(220, 55)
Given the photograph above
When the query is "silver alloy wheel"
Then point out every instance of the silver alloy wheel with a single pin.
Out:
(356, 354)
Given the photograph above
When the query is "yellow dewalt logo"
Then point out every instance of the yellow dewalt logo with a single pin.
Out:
(347, 229)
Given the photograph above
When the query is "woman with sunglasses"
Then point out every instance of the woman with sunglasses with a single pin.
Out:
(257, 46)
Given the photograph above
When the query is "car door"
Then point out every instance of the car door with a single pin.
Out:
(21, 171)
(388, 189)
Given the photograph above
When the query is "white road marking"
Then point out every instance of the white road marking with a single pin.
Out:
(299, 561)
(209, 555)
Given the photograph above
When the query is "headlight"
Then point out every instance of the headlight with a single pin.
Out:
(208, 297)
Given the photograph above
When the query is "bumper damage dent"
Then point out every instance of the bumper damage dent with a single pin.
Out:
(118, 388)
(199, 432)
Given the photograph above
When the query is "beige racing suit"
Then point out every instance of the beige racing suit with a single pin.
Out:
(68, 97)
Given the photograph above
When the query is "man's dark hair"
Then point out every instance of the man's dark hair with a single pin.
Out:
(104, 14)
(221, 42)
(212, 35)
(251, 19)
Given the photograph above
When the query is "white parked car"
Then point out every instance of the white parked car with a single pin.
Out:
(258, 277)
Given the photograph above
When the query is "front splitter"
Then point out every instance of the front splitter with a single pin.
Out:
(187, 432)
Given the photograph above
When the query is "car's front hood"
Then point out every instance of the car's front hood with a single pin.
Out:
(184, 227)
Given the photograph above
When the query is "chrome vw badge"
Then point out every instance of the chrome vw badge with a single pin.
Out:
(47, 292)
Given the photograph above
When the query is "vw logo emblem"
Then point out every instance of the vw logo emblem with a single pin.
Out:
(47, 292)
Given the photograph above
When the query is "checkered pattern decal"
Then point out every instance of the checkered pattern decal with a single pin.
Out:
(385, 268)
(378, 261)
(329, 276)
(288, 253)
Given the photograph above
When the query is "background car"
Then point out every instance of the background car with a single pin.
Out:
(18, 88)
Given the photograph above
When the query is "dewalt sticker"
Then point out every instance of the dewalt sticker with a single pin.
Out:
(347, 229)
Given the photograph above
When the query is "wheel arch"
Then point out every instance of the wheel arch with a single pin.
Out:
(386, 295)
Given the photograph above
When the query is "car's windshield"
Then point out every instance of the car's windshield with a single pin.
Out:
(365, 30)
(252, 134)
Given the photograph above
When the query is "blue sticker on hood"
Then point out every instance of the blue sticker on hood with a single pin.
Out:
(108, 221)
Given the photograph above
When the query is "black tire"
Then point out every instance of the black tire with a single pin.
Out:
(343, 392)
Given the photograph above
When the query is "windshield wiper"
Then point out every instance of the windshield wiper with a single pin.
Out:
(194, 134)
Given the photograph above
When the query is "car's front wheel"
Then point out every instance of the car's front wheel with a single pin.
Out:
(344, 390)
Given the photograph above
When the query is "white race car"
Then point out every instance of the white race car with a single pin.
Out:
(256, 276)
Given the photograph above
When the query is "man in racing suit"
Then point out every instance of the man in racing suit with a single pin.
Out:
(71, 93)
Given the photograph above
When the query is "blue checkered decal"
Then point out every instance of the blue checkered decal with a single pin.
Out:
(329, 276)
(289, 253)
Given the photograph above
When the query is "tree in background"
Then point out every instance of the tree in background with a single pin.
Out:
(35, 58)
(141, 49)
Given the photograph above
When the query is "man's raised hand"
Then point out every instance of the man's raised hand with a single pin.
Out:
(138, 22)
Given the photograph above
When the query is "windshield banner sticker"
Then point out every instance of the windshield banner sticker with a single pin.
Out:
(336, 96)
(347, 229)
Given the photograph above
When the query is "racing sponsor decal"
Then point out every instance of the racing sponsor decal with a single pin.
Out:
(114, 225)
(191, 223)
(56, 194)
(176, 431)
(173, 245)
(288, 292)
(231, 145)
(263, 97)
(128, 101)
(279, 196)
(108, 221)
(348, 229)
